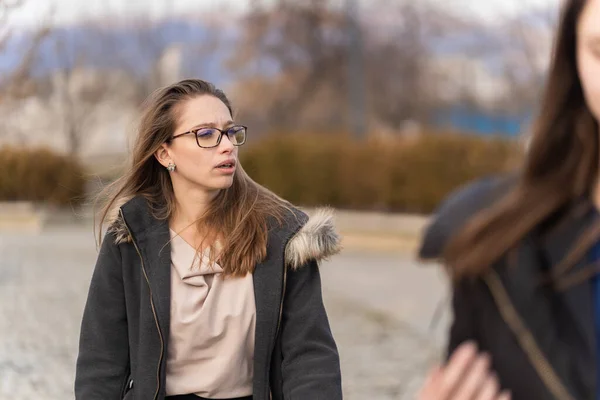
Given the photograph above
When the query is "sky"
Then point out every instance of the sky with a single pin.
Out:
(34, 12)
(490, 8)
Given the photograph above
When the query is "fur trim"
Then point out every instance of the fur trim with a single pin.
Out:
(115, 223)
(316, 240)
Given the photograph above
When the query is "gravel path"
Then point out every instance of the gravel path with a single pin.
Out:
(44, 281)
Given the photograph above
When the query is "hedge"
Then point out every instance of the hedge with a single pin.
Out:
(391, 174)
(384, 174)
(40, 175)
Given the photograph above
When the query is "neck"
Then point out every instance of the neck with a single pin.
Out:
(191, 204)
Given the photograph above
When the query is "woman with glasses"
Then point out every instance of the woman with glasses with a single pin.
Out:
(207, 284)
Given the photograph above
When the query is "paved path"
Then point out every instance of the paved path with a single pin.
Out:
(379, 306)
(382, 306)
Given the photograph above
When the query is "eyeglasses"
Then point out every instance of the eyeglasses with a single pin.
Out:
(211, 137)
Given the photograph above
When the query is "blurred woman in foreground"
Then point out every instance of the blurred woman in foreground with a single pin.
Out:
(524, 250)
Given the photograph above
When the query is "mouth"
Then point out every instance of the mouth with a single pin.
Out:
(228, 164)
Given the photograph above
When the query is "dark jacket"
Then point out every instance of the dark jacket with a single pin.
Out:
(125, 327)
(540, 332)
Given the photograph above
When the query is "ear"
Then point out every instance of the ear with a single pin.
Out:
(163, 155)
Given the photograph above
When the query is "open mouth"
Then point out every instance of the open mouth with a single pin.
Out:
(227, 165)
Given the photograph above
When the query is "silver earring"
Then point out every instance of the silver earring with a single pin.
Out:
(171, 167)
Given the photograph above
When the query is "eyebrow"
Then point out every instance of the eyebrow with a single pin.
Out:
(210, 125)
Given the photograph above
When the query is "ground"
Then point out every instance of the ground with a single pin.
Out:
(380, 306)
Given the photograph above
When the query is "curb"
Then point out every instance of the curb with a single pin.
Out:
(21, 217)
(359, 231)
(380, 243)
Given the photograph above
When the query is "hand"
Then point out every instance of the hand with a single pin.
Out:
(466, 376)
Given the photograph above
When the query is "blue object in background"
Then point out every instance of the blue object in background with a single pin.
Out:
(481, 122)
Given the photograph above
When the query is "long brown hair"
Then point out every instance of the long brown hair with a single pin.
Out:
(561, 163)
(238, 216)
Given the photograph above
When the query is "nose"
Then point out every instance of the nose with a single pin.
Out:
(226, 146)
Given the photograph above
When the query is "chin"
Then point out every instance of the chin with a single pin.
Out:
(224, 183)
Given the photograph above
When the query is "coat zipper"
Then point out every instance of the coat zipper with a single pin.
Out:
(525, 338)
(285, 268)
(162, 346)
(281, 302)
(285, 271)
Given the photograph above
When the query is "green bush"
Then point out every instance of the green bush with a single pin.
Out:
(411, 175)
(40, 175)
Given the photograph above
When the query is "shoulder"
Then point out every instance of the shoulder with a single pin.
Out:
(458, 208)
(117, 228)
(310, 236)
(118, 232)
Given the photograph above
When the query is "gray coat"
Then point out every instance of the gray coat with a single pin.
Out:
(125, 327)
(539, 332)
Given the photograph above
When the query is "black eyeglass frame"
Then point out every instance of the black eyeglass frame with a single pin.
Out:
(222, 133)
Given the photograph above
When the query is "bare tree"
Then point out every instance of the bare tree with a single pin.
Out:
(14, 83)
(146, 57)
(295, 55)
(304, 48)
(80, 89)
(397, 67)
(301, 43)
(527, 54)
(141, 60)
(6, 6)
(17, 83)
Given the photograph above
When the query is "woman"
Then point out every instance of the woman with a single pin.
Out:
(206, 284)
(523, 250)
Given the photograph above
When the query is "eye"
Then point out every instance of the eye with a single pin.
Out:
(205, 133)
(232, 130)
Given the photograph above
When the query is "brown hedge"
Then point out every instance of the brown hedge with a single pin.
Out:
(40, 175)
(389, 174)
(409, 175)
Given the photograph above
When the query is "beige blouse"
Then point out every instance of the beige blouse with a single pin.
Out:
(211, 343)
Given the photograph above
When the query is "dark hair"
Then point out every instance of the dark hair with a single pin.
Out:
(561, 163)
(237, 217)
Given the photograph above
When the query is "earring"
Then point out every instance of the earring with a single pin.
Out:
(171, 167)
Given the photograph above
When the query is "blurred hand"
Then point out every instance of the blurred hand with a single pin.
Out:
(466, 376)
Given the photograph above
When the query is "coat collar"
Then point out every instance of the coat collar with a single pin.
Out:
(566, 248)
(311, 237)
(566, 243)
(553, 263)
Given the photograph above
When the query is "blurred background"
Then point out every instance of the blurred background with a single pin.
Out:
(378, 108)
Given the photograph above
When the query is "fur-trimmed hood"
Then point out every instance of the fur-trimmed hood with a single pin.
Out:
(317, 239)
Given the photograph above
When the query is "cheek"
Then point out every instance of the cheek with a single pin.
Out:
(589, 71)
(189, 157)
